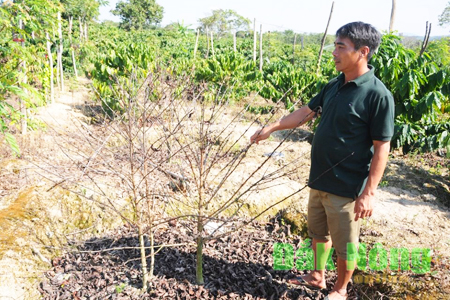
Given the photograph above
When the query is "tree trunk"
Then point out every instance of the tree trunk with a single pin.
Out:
(293, 49)
(60, 51)
(391, 23)
(199, 267)
(212, 44)
(143, 258)
(72, 48)
(196, 43)
(323, 39)
(70, 28)
(207, 43)
(81, 29)
(425, 39)
(50, 60)
(22, 102)
(86, 35)
(260, 48)
(254, 40)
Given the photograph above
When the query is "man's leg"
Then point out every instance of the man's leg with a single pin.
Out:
(343, 230)
(318, 231)
(317, 276)
(339, 290)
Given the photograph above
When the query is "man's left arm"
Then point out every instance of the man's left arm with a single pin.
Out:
(364, 203)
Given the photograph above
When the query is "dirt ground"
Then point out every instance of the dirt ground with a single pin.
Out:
(411, 208)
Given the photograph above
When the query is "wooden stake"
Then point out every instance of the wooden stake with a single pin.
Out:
(72, 48)
(22, 102)
(323, 39)
(196, 43)
(293, 48)
(81, 29)
(60, 51)
(425, 39)
(391, 23)
(260, 49)
(212, 44)
(207, 42)
(254, 40)
(50, 60)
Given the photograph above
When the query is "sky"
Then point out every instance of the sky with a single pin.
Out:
(307, 16)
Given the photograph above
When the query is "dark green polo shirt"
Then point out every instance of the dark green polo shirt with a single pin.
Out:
(353, 115)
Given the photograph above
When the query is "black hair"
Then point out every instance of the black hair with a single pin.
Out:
(361, 34)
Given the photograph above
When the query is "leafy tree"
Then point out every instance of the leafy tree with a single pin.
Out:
(88, 10)
(223, 21)
(444, 18)
(420, 89)
(23, 67)
(440, 51)
(138, 14)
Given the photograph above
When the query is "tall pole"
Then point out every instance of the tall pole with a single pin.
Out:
(60, 51)
(323, 39)
(72, 47)
(260, 48)
(425, 39)
(391, 23)
(196, 43)
(207, 42)
(81, 29)
(254, 40)
(293, 48)
(50, 60)
(23, 107)
(212, 43)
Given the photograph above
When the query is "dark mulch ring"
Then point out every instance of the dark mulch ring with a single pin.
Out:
(237, 266)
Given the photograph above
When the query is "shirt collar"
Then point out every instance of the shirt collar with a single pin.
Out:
(361, 79)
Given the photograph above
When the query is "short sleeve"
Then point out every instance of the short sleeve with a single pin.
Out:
(317, 100)
(382, 119)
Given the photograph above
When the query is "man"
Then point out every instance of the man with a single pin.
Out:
(349, 150)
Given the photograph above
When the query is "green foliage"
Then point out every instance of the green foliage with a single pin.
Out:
(420, 90)
(139, 14)
(222, 21)
(440, 51)
(228, 72)
(283, 82)
(87, 10)
(444, 18)
(260, 110)
(115, 68)
(24, 68)
(420, 85)
(122, 60)
(11, 141)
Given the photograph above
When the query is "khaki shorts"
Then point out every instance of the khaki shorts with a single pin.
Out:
(332, 217)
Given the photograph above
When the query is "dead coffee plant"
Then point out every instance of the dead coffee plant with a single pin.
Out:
(210, 149)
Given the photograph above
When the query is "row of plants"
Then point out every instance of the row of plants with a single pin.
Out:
(420, 84)
(421, 89)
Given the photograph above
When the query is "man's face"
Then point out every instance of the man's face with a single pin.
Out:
(345, 56)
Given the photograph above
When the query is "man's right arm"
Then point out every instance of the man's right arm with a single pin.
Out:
(293, 120)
